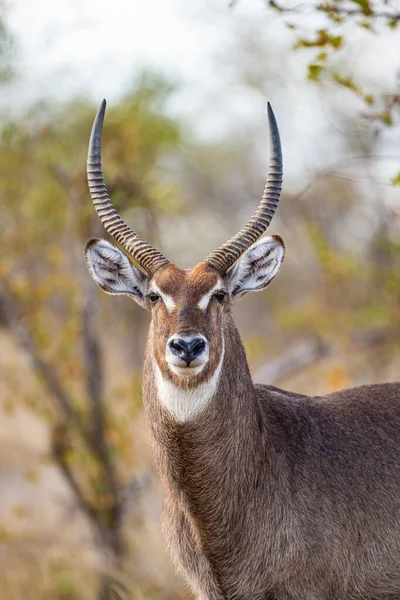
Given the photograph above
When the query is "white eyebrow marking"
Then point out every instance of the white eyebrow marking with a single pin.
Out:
(203, 302)
(168, 301)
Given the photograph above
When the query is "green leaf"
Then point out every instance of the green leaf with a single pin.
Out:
(367, 25)
(332, 16)
(369, 99)
(323, 38)
(387, 119)
(275, 6)
(314, 72)
(347, 82)
(336, 41)
(364, 5)
(396, 179)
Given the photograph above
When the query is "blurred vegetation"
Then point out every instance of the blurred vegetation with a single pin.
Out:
(326, 30)
(72, 356)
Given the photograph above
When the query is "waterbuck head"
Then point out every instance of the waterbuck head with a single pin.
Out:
(188, 307)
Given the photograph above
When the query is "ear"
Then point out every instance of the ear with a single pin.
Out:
(257, 267)
(113, 272)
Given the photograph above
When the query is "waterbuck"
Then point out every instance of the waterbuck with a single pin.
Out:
(269, 495)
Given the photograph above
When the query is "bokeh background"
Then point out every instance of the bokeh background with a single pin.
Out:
(185, 155)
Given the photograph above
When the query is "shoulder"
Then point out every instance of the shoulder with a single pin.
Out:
(270, 391)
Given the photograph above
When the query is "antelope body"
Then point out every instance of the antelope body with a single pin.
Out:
(269, 495)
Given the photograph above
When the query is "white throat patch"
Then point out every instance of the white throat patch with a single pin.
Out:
(185, 405)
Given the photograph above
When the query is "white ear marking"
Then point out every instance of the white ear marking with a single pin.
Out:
(204, 300)
(257, 266)
(112, 270)
(167, 299)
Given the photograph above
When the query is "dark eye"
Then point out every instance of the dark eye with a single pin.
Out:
(220, 296)
(153, 297)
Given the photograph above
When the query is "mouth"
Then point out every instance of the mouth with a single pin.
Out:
(187, 354)
(184, 370)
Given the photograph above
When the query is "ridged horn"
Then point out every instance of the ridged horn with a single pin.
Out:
(225, 256)
(143, 253)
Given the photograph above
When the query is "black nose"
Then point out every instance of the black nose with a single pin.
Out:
(187, 350)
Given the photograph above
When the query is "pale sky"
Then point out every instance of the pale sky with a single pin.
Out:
(104, 41)
(95, 47)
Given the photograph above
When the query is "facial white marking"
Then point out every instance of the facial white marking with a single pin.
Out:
(204, 300)
(186, 405)
(178, 365)
(168, 301)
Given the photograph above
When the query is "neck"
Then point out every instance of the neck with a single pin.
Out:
(199, 429)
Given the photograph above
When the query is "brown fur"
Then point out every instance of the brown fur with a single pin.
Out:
(271, 495)
(187, 288)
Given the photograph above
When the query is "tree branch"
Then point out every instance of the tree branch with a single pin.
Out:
(94, 439)
(48, 374)
(394, 17)
(60, 446)
(295, 358)
(94, 386)
(94, 379)
(339, 9)
(94, 368)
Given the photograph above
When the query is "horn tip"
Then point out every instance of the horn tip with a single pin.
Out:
(97, 129)
(274, 132)
(100, 113)
(102, 109)
(271, 114)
